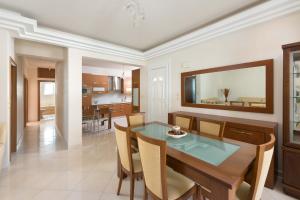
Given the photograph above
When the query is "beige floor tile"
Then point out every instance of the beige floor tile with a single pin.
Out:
(84, 196)
(115, 197)
(94, 182)
(51, 195)
(8, 193)
(66, 180)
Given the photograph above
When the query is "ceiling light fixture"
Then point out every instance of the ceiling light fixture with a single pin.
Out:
(134, 8)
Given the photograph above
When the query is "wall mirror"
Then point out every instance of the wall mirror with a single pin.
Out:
(242, 87)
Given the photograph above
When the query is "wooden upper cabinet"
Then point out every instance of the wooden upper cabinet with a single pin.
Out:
(92, 80)
(100, 81)
(87, 80)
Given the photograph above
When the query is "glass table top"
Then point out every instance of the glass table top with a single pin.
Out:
(209, 150)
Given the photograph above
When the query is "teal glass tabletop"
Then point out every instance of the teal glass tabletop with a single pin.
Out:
(206, 149)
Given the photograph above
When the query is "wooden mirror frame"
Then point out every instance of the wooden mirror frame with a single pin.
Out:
(269, 87)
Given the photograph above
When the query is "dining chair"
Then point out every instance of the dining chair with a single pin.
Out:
(257, 104)
(87, 117)
(185, 122)
(211, 127)
(161, 182)
(262, 163)
(2, 142)
(130, 162)
(135, 119)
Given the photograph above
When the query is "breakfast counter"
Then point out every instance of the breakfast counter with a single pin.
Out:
(118, 109)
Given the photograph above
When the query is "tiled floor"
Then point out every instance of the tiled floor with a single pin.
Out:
(44, 169)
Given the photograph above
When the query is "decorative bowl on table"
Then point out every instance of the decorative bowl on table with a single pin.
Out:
(175, 132)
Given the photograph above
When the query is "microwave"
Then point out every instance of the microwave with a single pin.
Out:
(98, 89)
(86, 91)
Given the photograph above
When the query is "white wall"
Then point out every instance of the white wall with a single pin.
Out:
(20, 99)
(32, 77)
(24, 47)
(6, 50)
(60, 99)
(259, 42)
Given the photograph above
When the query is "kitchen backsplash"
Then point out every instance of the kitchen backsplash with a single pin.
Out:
(109, 98)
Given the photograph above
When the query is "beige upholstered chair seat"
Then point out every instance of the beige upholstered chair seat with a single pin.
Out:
(177, 184)
(243, 191)
(136, 161)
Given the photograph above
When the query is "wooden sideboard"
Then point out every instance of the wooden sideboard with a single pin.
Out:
(246, 130)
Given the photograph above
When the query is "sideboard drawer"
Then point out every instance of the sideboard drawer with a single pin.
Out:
(244, 134)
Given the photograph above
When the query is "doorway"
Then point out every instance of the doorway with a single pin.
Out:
(13, 106)
(46, 101)
(158, 94)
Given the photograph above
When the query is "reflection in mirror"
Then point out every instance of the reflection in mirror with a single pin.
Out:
(245, 87)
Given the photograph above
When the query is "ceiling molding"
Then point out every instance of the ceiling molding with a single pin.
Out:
(258, 14)
(26, 28)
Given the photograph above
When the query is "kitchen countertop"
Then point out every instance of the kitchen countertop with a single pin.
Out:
(120, 102)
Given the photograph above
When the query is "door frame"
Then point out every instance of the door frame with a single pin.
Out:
(39, 96)
(166, 66)
(25, 100)
(13, 106)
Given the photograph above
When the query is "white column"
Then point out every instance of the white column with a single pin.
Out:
(74, 97)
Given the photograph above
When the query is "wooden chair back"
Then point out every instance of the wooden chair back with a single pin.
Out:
(263, 160)
(153, 157)
(237, 103)
(185, 122)
(136, 119)
(124, 147)
(257, 104)
(211, 127)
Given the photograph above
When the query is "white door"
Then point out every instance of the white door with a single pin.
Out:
(158, 95)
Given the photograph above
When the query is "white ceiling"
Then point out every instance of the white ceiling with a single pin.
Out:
(107, 20)
(92, 62)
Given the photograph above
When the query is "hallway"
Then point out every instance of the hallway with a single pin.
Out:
(41, 137)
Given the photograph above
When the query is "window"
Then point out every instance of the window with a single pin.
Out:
(49, 88)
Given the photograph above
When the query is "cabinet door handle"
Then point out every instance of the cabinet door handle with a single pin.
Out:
(241, 132)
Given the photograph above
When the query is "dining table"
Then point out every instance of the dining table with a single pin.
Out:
(217, 165)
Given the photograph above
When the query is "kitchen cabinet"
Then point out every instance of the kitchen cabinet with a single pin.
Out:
(97, 81)
(118, 109)
(86, 100)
